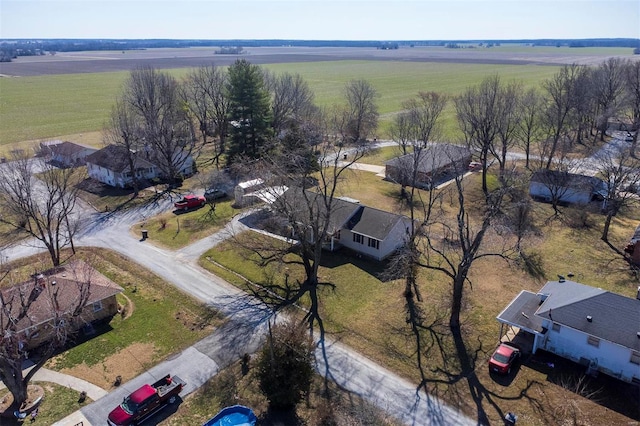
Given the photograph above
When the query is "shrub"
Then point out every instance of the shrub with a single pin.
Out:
(285, 366)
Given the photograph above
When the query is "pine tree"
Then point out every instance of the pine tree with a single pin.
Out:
(249, 112)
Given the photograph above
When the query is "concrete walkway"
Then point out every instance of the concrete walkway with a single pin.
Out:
(45, 375)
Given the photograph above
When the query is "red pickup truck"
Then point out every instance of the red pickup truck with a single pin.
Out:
(146, 401)
(190, 202)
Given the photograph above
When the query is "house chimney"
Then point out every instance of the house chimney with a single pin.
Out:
(40, 280)
(589, 318)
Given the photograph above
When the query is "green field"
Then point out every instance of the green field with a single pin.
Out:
(34, 108)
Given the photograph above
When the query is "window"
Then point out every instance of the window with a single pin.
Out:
(593, 341)
(555, 327)
(635, 357)
(97, 306)
(374, 243)
(357, 238)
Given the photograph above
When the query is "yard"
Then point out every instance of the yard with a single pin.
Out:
(367, 313)
(235, 386)
(176, 229)
(131, 343)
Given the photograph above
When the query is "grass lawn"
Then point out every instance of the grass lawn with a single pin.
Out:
(58, 402)
(131, 343)
(367, 313)
(232, 387)
(37, 108)
(379, 156)
(177, 229)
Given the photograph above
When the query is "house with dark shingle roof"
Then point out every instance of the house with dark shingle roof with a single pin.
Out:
(66, 154)
(57, 293)
(110, 165)
(588, 325)
(435, 161)
(368, 231)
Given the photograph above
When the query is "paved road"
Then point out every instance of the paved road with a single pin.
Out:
(243, 332)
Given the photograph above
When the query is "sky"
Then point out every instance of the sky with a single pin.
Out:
(320, 20)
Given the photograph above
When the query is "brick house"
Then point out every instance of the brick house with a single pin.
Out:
(55, 294)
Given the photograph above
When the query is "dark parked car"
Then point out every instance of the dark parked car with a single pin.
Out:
(214, 194)
(503, 359)
(190, 202)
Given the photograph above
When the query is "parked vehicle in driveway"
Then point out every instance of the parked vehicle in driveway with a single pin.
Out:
(474, 166)
(212, 194)
(146, 401)
(190, 202)
(503, 359)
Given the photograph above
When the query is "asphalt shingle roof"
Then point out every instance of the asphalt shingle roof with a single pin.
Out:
(68, 280)
(114, 158)
(615, 318)
(433, 157)
(360, 219)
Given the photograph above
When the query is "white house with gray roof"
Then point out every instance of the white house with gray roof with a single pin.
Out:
(588, 325)
(110, 165)
(371, 232)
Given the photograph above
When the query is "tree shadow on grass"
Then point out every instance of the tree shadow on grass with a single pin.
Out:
(457, 371)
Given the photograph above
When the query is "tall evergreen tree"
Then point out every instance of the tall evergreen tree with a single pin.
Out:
(249, 111)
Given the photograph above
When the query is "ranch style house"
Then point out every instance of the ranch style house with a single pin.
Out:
(57, 290)
(369, 232)
(65, 153)
(565, 187)
(111, 166)
(590, 326)
(435, 163)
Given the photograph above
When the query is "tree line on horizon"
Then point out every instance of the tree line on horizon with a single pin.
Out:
(12, 48)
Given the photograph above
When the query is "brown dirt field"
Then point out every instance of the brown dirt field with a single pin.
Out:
(135, 357)
(112, 61)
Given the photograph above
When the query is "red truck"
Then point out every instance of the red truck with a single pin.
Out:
(146, 401)
(190, 202)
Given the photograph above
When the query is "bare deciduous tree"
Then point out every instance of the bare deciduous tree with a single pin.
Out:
(169, 133)
(477, 110)
(529, 126)
(361, 112)
(632, 99)
(607, 83)
(307, 211)
(562, 95)
(41, 206)
(621, 173)
(41, 307)
(124, 129)
(420, 125)
(205, 89)
(453, 245)
(401, 131)
(292, 101)
(509, 115)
